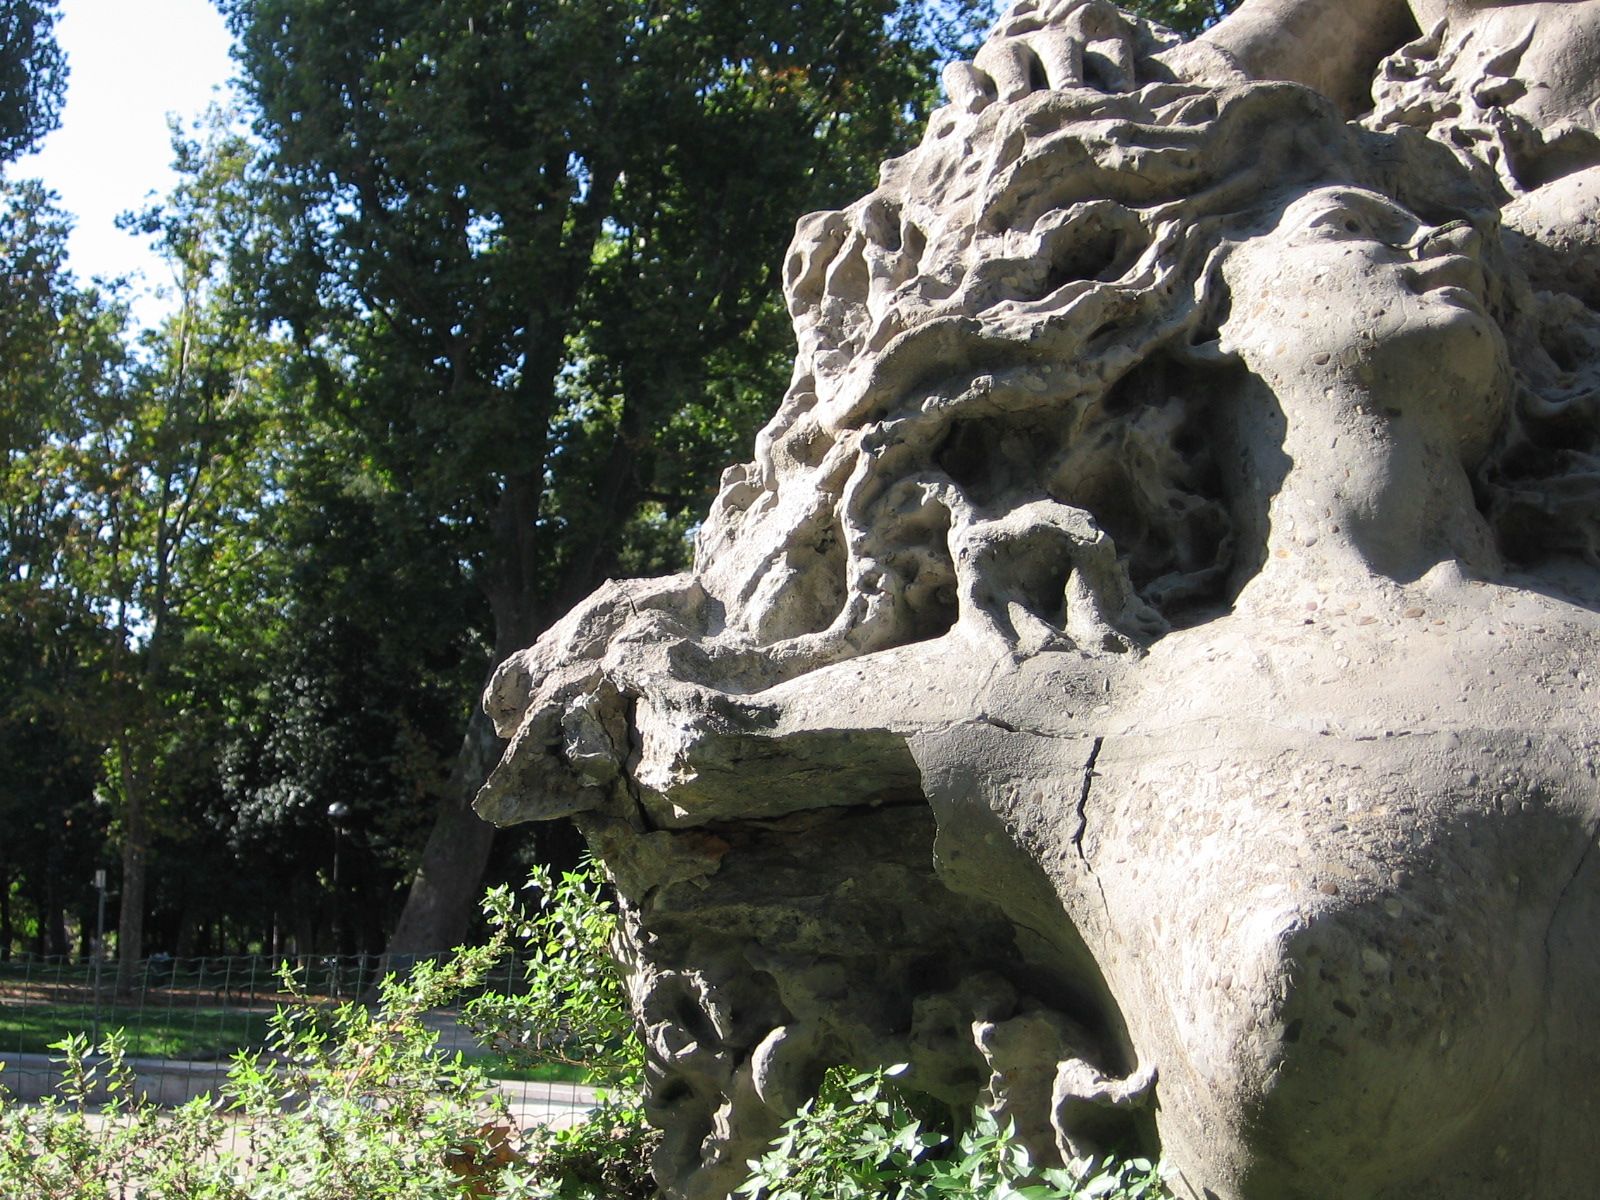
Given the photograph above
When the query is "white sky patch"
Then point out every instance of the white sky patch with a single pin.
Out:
(132, 62)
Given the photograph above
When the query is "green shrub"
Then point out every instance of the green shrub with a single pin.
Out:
(358, 1103)
(351, 1104)
(863, 1137)
(347, 1103)
(573, 1010)
(68, 1148)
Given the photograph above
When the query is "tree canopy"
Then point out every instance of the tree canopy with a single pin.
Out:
(33, 75)
(532, 249)
(1186, 16)
(473, 318)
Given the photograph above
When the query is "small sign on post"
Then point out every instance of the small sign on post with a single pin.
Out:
(99, 947)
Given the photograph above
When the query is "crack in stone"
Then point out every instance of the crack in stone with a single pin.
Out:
(1560, 900)
(1561, 896)
(1004, 726)
(1083, 801)
(1083, 823)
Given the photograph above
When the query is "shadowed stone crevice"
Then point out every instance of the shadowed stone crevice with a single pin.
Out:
(1083, 800)
(827, 937)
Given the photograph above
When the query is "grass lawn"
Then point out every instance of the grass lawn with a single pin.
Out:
(200, 1033)
(497, 1066)
(194, 1033)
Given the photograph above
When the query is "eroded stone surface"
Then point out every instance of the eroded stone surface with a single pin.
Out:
(1145, 679)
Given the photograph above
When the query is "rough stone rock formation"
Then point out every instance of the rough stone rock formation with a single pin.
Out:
(1145, 679)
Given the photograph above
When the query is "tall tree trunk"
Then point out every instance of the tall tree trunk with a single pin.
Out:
(135, 836)
(444, 892)
(52, 920)
(6, 931)
(188, 929)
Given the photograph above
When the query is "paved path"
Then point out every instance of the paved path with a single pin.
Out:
(28, 1077)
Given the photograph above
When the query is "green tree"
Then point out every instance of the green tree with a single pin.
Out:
(358, 702)
(135, 480)
(55, 342)
(534, 250)
(33, 75)
(185, 462)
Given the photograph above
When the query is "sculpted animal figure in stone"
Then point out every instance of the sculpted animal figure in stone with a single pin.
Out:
(1145, 678)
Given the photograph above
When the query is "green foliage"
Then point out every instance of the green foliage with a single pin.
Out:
(573, 1010)
(355, 1102)
(166, 469)
(139, 572)
(863, 1137)
(530, 256)
(33, 75)
(71, 1147)
(351, 1102)
(377, 1110)
(58, 349)
(1185, 16)
(538, 295)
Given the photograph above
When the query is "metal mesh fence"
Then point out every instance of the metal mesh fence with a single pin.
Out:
(182, 1020)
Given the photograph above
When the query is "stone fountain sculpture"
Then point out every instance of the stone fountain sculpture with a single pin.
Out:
(1145, 679)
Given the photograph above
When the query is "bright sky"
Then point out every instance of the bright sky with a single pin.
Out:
(132, 62)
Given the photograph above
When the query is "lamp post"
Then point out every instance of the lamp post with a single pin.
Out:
(99, 946)
(337, 812)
